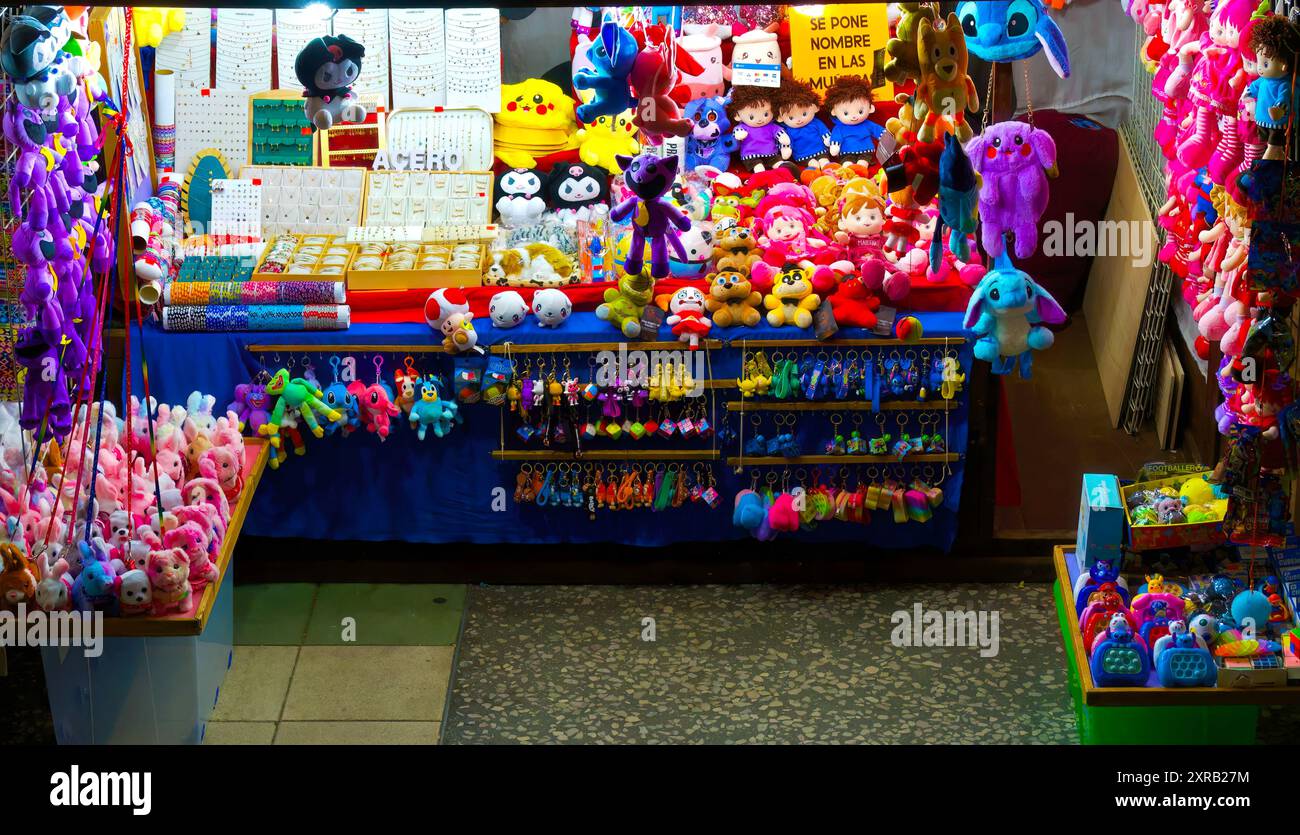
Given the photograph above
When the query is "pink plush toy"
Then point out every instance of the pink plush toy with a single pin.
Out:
(652, 78)
(1216, 82)
(221, 465)
(191, 539)
(1013, 158)
(707, 51)
(377, 410)
(169, 578)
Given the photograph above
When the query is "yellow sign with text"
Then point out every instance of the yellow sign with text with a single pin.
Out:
(827, 42)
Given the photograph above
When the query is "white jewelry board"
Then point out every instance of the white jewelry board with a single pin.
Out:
(307, 199)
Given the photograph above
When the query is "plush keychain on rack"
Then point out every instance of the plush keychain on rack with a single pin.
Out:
(407, 381)
(375, 403)
(433, 411)
(300, 395)
(1007, 312)
(327, 67)
(338, 398)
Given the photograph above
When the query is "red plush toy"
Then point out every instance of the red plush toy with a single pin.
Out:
(853, 305)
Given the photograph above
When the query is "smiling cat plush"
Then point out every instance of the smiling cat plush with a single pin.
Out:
(519, 200)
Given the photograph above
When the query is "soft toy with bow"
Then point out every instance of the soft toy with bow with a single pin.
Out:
(1006, 314)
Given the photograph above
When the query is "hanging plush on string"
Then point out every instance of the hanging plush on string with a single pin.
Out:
(1007, 312)
(1013, 158)
(611, 57)
(328, 66)
(999, 32)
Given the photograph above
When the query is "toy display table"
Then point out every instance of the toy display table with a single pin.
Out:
(442, 490)
(1152, 715)
(157, 680)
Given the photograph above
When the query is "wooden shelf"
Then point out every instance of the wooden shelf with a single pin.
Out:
(256, 452)
(839, 406)
(747, 344)
(576, 347)
(1151, 696)
(318, 348)
(607, 455)
(781, 460)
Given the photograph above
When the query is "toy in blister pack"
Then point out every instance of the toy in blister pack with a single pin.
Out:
(467, 378)
(496, 380)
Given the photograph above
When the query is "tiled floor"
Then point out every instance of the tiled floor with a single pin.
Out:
(338, 664)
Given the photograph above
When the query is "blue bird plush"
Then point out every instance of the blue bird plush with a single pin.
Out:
(999, 32)
(611, 56)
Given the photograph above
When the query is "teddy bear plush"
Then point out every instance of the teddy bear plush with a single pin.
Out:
(732, 299)
(945, 91)
(792, 299)
(739, 250)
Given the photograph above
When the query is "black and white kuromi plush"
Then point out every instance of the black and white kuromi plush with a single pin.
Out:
(519, 196)
(577, 186)
(327, 67)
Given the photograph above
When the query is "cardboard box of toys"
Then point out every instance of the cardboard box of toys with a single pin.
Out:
(1171, 512)
(1101, 520)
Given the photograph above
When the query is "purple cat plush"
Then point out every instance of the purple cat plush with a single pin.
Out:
(654, 219)
(1013, 158)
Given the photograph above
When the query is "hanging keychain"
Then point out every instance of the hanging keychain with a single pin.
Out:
(903, 445)
(879, 445)
(756, 446)
(836, 445)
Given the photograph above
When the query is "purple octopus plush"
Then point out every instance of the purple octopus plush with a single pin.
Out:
(1013, 158)
(654, 220)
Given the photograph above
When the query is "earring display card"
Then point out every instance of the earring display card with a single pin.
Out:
(369, 27)
(188, 53)
(474, 58)
(467, 132)
(417, 44)
(293, 29)
(236, 210)
(307, 200)
(428, 198)
(244, 49)
(280, 133)
(207, 118)
(354, 146)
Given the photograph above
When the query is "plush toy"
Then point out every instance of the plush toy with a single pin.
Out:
(706, 49)
(853, 135)
(432, 412)
(327, 67)
(654, 219)
(623, 305)
(710, 143)
(603, 141)
(134, 594)
(611, 57)
(507, 309)
(577, 187)
(54, 591)
(551, 307)
(18, 577)
(95, 588)
(376, 405)
(797, 106)
(653, 78)
(944, 91)
(792, 299)
(1013, 159)
(739, 250)
(1006, 313)
(904, 65)
(535, 120)
(1002, 32)
(687, 317)
(753, 110)
(519, 201)
(30, 56)
(959, 191)
(169, 580)
(534, 265)
(458, 334)
(1276, 43)
(732, 300)
(442, 303)
(298, 394)
(152, 24)
(190, 537)
(854, 304)
(759, 47)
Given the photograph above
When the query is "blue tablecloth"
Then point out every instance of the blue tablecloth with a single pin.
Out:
(441, 491)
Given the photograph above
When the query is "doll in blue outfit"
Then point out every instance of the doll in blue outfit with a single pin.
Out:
(1276, 43)
(797, 106)
(853, 136)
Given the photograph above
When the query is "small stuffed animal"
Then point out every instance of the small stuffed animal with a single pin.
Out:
(519, 201)
(18, 578)
(327, 67)
(551, 307)
(190, 538)
(95, 588)
(654, 219)
(732, 300)
(611, 57)
(706, 49)
(431, 411)
(54, 591)
(1002, 32)
(944, 91)
(740, 250)
(458, 333)
(375, 402)
(534, 265)
(577, 186)
(1013, 158)
(169, 580)
(792, 299)
(442, 303)
(653, 78)
(535, 120)
(251, 405)
(959, 191)
(134, 594)
(603, 141)
(507, 309)
(1006, 313)
(688, 317)
(623, 305)
(710, 143)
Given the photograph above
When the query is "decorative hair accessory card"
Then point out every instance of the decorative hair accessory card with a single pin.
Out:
(208, 118)
(244, 49)
(435, 133)
(293, 29)
(278, 130)
(324, 201)
(473, 38)
(418, 50)
(188, 53)
(368, 27)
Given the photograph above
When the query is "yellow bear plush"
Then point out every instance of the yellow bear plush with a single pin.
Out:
(945, 91)
(536, 120)
(732, 300)
(792, 299)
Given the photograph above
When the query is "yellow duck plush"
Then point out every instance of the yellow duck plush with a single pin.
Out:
(536, 120)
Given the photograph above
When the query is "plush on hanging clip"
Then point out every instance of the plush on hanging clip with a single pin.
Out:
(1001, 32)
(611, 56)
(327, 67)
(1007, 312)
(959, 191)
(1013, 159)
